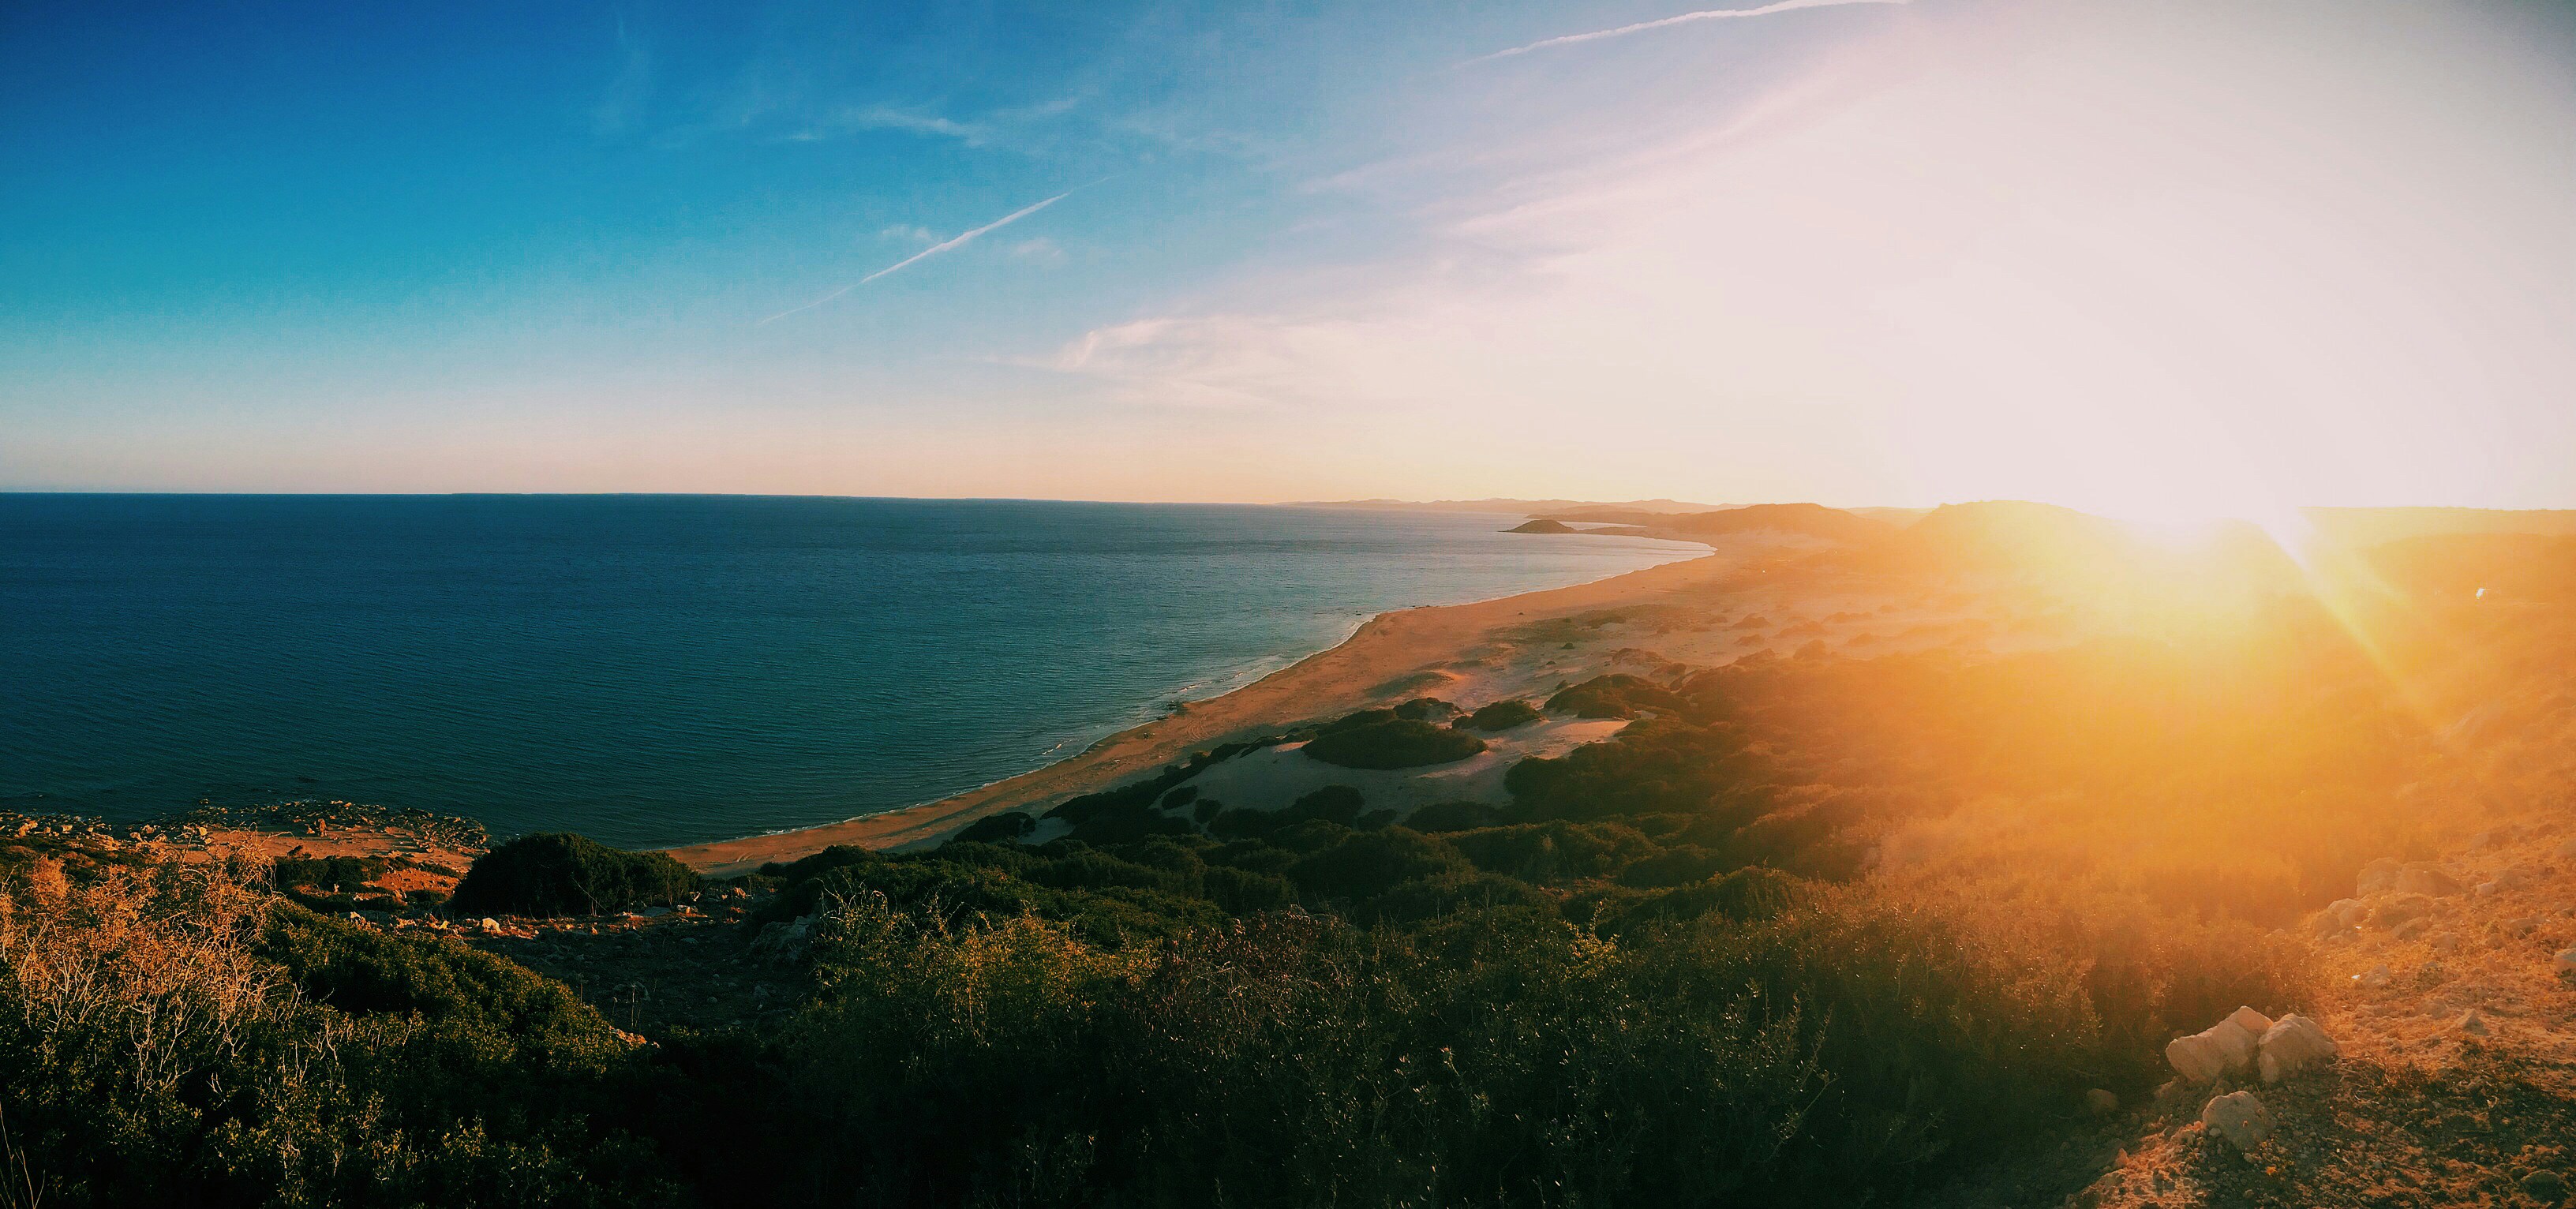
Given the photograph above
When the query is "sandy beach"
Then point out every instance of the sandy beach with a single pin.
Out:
(1467, 653)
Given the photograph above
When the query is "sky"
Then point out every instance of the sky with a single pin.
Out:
(2154, 260)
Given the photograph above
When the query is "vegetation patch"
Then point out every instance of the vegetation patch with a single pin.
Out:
(560, 873)
(1393, 743)
(1501, 715)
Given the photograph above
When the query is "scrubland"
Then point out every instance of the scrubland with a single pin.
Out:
(1847, 922)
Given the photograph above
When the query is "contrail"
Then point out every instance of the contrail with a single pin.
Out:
(932, 250)
(1713, 14)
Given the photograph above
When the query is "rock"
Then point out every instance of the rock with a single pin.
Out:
(2410, 929)
(2401, 909)
(2101, 1102)
(784, 941)
(489, 924)
(2249, 1020)
(2239, 1118)
(656, 912)
(2377, 877)
(2348, 912)
(2524, 926)
(2425, 877)
(2293, 1044)
(2444, 943)
(2565, 963)
(2472, 1023)
(2375, 977)
(2214, 1051)
(2545, 1187)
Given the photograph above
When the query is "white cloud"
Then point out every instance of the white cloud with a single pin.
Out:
(1713, 14)
(924, 254)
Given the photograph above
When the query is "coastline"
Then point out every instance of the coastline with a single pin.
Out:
(1390, 657)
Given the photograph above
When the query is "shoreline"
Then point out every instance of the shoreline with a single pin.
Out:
(1391, 656)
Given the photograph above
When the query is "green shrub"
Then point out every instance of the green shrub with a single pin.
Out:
(1395, 743)
(1453, 816)
(999, 828)
(1617, 695)
(1501, 715)
(559, 873)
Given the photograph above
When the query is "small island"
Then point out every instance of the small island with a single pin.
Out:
(1543, 525)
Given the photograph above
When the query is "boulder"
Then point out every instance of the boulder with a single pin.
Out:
(2101, 1102)
(784, 941)
(2410, 929)
(2214, 1051)
(2425, 877)
(2239, 1118)
(2377, 877)
(2293, 1044)
(2249, 1020)
(2402, 909)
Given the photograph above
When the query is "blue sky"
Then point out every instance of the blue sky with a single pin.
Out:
(1863, 252)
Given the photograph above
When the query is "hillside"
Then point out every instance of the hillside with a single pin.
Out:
(1791, 880)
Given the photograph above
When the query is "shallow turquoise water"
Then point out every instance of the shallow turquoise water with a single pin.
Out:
(657, 670)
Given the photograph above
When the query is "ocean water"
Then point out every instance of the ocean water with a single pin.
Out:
(655, 670)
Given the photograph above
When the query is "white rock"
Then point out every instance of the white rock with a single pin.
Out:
(2293, 1044)
(2214, 1051)
(2239, 1118)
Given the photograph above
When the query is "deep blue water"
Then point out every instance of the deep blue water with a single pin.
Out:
(657, 670)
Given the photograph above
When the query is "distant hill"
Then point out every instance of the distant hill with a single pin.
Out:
(1558, 509)
(1813, 520)
(1543, 526)
(2007, 534)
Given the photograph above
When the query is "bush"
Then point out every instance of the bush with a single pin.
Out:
(1501, 715)
(559, 873)
(999, 828)
(1617, 695)
(1395, 743)
(1453, 816)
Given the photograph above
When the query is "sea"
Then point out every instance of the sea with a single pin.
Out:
(659, 670)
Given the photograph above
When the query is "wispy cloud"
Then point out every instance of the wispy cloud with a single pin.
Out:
(886, 117)
(924, 254)
(624, 99)
(1712, 14)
